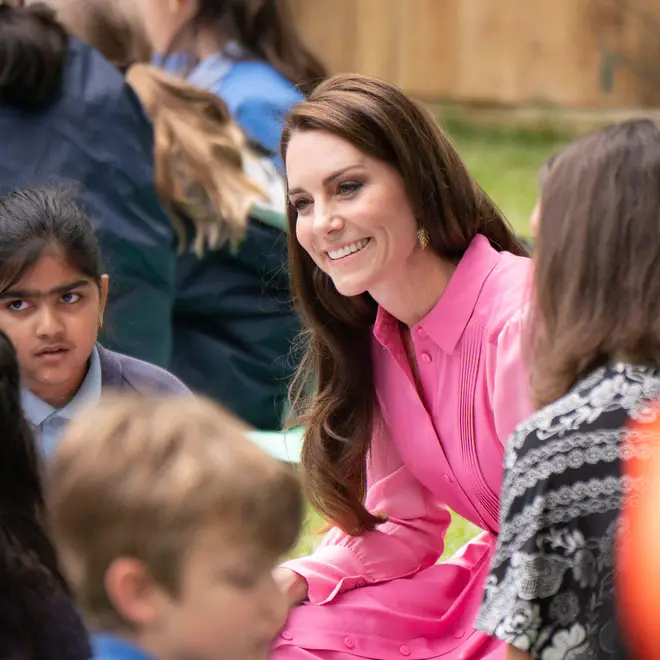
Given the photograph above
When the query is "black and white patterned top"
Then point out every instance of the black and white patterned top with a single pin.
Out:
(550, 592)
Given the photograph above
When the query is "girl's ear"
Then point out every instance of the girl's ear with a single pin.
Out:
(104, 287)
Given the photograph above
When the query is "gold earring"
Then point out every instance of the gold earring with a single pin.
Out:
(423, 237)
(100, 323)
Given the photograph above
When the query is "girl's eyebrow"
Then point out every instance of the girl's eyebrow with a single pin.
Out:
(27, 293)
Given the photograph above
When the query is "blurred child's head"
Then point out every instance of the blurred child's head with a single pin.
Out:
(169, 522)
(52, 290)
(597, 273)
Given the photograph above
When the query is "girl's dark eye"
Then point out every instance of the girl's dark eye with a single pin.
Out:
(348, 187)
(17, 305)
(71, 298)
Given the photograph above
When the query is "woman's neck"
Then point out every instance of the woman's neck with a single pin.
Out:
(413, 293)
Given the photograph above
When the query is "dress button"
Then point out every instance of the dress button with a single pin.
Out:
(404, 650)
(286, 635)
(349, 643)
(420, 332)
(426, 358)
(459, 634)
(361, 583)
(448, 479)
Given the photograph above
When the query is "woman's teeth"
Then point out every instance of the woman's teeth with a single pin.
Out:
(348, 249)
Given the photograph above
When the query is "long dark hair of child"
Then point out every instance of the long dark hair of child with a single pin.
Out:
(266, 29)
(37, 617)
(33, 48)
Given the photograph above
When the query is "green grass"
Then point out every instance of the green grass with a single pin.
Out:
(506, 164)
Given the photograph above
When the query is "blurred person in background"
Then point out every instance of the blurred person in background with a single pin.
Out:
(67, 114)
(248, 52)
(595, 360)
(232, 319)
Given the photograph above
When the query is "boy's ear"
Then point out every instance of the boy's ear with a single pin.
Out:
(133, 592)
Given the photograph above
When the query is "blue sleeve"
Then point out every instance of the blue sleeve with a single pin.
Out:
(259, 99)
(137, 242)
(263, 122)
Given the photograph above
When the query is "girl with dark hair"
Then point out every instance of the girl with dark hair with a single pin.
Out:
(413, 290)
(38, 619)
(246, 51)
(52, 301)
(67, 114)
(595, 360)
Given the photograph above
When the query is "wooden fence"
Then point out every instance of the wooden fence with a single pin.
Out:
(560, 53)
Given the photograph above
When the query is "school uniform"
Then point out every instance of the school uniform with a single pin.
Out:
(107, 371)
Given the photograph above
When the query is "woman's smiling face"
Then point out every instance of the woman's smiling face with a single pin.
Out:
(353, 214)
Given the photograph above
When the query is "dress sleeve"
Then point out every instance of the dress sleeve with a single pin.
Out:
(411, 540)
(508, 377)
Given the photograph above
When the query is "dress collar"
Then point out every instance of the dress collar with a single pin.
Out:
(446, 322)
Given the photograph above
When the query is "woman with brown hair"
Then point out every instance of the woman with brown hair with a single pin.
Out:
(595, 346)
(412, 288)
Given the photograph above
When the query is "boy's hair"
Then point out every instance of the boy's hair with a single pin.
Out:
(139, 477)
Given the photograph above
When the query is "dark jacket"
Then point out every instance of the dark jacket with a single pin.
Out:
(121, 372)
(233, 325)
(223, 323)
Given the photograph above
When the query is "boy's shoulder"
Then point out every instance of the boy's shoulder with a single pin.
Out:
(106, 646)
(120, 371)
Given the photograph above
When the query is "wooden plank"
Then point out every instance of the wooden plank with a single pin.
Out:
(428, 47)
(566, 53)
(329, 28)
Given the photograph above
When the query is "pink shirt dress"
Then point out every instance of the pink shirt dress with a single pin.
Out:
(382, 595)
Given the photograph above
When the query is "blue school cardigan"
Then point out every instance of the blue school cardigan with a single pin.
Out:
(107, 370)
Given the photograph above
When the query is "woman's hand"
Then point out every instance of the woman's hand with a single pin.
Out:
(293, 585)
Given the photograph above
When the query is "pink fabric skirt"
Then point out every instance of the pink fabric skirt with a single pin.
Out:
(429, 615)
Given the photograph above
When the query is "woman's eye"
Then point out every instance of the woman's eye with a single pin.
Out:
(301, 204)
(71, 298)
(348, 187)
(17, 305)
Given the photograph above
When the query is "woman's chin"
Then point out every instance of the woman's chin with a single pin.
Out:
(350, 289)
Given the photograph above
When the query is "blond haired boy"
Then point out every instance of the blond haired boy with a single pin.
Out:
(169, 522)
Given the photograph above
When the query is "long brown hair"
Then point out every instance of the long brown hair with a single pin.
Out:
(265, 29)
(199, 158)
(597, 272)
(333, 392)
